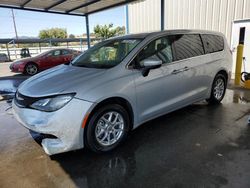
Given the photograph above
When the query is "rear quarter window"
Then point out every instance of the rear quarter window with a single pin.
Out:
(212, 43)
(187, 46)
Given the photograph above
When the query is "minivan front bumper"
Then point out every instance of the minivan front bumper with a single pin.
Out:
(64, 124)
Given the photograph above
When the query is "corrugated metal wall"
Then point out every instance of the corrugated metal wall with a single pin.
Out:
(189, 14)
(144, 16)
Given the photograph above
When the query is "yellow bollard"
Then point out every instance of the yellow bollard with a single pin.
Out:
(238, 64)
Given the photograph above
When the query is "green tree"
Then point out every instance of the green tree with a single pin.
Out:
(71, 36)
(120, 30)
(58, 33)
(107, 31)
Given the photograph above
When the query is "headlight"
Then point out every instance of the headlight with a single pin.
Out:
(53, 103)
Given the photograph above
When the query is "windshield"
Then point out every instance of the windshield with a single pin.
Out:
(106, 54)
(42, 53)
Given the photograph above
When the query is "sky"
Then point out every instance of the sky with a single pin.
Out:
(30, 23)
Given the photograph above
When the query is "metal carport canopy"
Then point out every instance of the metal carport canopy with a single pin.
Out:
(67, 7)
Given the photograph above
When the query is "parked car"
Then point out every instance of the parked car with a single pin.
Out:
(43, 61)
(4, 57)
(121, 83)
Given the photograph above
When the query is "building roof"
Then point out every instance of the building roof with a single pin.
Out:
(70, 7)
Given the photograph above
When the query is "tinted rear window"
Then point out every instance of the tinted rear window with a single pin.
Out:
(213, 43)
(188, 45)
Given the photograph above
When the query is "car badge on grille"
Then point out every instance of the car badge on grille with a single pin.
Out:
(19, 97)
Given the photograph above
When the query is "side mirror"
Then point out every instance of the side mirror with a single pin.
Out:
(148, 64)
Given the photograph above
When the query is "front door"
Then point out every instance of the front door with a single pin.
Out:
(162, 89)
(56, 58)
(66, 56)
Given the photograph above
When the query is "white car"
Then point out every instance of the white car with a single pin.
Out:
(119, 84)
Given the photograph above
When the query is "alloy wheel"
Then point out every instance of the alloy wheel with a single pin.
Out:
(219, 88)
(110, 128)
(31, 69)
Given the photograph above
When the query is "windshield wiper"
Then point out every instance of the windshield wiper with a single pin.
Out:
(80, 65)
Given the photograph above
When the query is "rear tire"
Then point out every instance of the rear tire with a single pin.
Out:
(31, 69)
(218, 89)
(107, 128)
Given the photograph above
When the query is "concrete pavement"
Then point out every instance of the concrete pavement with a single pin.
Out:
(198, 146)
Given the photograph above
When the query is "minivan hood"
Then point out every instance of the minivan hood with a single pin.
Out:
(59, 80)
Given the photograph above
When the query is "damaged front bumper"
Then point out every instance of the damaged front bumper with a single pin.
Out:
(64, 124)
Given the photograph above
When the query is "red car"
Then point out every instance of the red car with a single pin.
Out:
(43, 61)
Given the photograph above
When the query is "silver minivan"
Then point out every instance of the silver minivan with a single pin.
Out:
(119, 84)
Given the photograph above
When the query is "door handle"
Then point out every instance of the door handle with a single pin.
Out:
(185, 69)
(176, 71)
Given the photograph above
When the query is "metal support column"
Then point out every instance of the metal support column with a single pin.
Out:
(87, 30)
(81, 45)
(14, 43)
(40, 47)
(162, 14)
(127, 21)
(8, 51)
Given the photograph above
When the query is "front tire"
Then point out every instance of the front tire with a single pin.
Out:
(218, 89)
(107, 128)
(31, 69)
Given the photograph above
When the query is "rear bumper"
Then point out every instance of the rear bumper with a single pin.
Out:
(64, 124)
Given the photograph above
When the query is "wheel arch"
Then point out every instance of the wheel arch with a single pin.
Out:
(114, 100)
(223, 72)
(31, 62)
